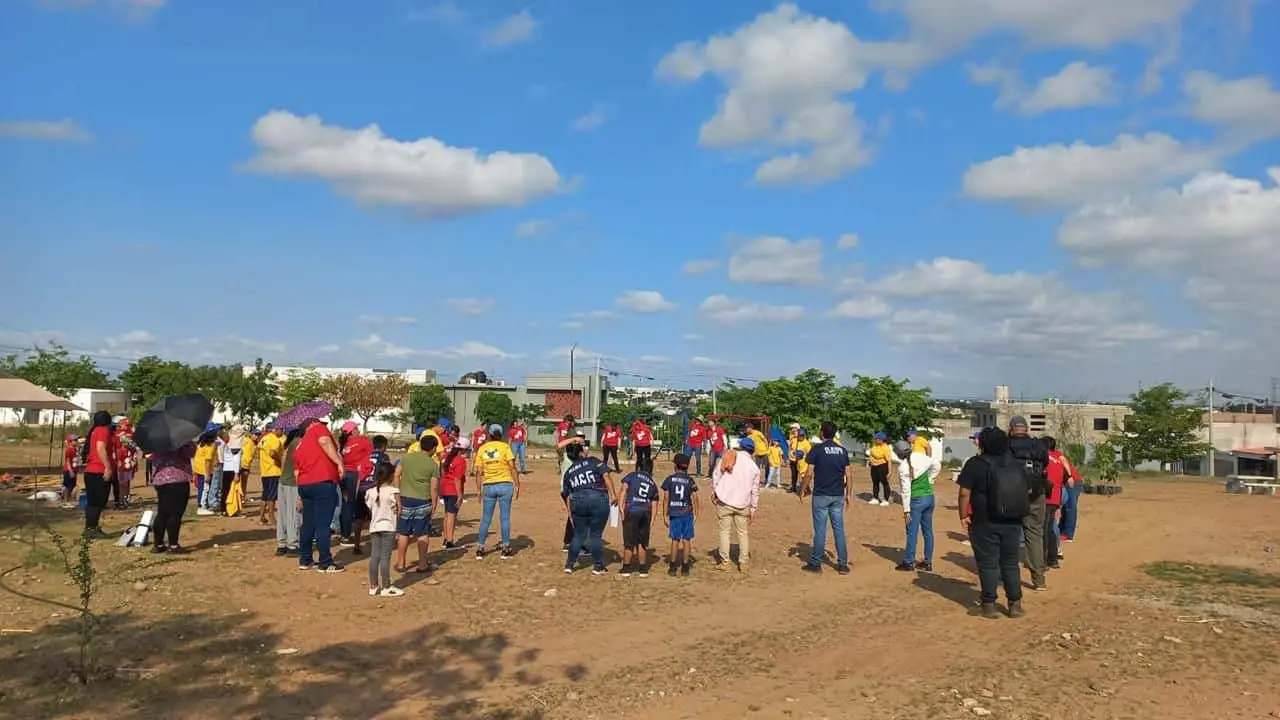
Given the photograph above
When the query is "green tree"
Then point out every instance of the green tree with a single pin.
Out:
(428, 403)
(366, 397)
(805, 399)
(531, 412)
(495, 407)
(1164, 427)
(55, 370)
(302, 387)
(615, 414)
(881, 404)
(149, 379)
(252, 397)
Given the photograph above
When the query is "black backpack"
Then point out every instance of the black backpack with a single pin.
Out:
(1008, 493)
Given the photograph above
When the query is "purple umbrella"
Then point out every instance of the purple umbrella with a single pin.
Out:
(298, 414)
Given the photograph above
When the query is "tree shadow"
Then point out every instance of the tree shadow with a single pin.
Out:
(234, 537)
(200, 666)
(957, 591)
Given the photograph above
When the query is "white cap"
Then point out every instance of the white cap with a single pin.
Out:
(463, 442)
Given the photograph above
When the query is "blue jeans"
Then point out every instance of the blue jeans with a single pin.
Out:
(348, 507)
(318, 503)
(590, 513)
(199, 490)
(829, 507)
(1070, 510)
(712, 458)
(213, 490)
(921, 523)
(499, 494)
(518, 450)
(771, 480)
(695, 454)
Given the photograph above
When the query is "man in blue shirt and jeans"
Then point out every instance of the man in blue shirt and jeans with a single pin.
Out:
(829, 485)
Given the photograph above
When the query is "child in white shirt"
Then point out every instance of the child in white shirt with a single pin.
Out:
(383, 500)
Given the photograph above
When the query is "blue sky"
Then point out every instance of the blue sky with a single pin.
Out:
(1070, 197)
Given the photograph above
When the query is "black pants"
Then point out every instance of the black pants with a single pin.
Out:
(995, 548)
(643, 452)
(1050, 537)
(568, 531)
(171, 505)
(95, 490)
(228, 477)
(113, 490)
(611, 451)
(795, 476)
(880, 476)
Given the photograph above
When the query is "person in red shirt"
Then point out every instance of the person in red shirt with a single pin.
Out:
(642, 439)
(126, 461)
(69, 453)
(357, 449)
(453, 480)
(318, 469)
(518, 435)
(478, 436)
(610, 441)
(99, 469)
(696, 436)
(1062, 475)
(719, 443)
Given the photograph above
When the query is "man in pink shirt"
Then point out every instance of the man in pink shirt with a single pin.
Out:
(736, 494)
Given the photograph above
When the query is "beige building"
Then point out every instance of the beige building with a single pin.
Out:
(1086, 423)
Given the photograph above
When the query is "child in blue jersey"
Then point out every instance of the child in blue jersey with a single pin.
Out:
(680, 508)
(640, 503)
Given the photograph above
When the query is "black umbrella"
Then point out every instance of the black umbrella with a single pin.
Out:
(173, 422)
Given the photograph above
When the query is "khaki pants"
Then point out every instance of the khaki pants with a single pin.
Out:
(732, 518)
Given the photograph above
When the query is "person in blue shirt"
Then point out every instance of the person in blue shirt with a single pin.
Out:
(828, 483)
(587, 488)
(640, 503)
(680, 509)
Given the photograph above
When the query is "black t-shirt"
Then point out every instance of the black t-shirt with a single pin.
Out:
(978, 476)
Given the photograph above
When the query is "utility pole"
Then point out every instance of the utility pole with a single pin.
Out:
(573, 349)
(715, 384)
(1212, 454)
(595, 404)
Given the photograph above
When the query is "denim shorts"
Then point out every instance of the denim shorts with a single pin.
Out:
(415, 517)
(270, 489)
(681, 527)
(450, 503)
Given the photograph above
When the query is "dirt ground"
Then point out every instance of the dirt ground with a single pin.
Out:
(1167, 606)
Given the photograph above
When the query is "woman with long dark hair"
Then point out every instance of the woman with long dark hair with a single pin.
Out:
(171, 477)
(453, 476)
(99, 468)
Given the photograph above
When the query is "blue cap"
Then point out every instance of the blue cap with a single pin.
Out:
(747, 444)
(495, 428)
(212, 426)
(444, 422)
(881, 436)
(911, 432)
(975, 434)
(801, 432)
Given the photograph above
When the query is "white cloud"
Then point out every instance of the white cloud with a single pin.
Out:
(787, 74)
(965, 279)
(574, 325)
(1071, 174)
(386, 320)
(375, 345)
(771, 260)
(329, 349)
(469, 306)
(861, 308)
(133, 337)
(1248, 106)
(654, 359)
(516, 28)
(594, 315)
(592, 120)
(847, 241)
(645, 301)
(533, 228)
(703, 361)
(471, 349)
(45, 130)
(433, 179)
(1077, 85)
(698, 267)
(691, 336)
(1218, 231)
(1006, 80)
(724, 309)
(579, 355)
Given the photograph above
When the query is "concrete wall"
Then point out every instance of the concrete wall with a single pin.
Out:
(115, 402)
(1071, 422)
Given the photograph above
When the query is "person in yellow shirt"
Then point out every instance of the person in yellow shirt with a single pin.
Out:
(495, 463)
(775, 465)
(761, 453)
(270, 461)
(202, 466)
(880, 461)
(247, 457)
(918, 443)
(800, 451)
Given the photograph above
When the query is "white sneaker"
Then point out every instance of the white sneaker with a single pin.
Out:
(392, 591)
(203, 511)
(873, 501)
(884, 503)
(373, 592)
